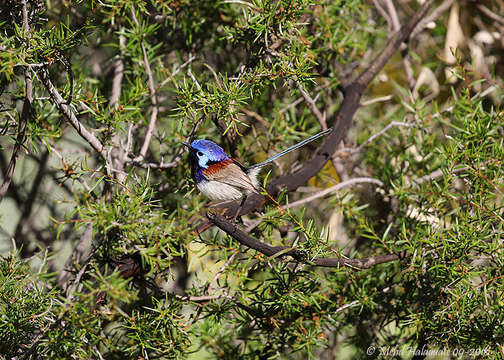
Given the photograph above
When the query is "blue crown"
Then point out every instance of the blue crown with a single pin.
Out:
(213, 151)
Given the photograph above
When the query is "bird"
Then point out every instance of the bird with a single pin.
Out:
(222, 178)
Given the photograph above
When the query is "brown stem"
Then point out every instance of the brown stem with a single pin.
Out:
(268, 250)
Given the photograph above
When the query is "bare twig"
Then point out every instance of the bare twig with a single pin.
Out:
(116, 83)
(255, 115)
(70, 116)
(374, 136)
(346, 306)
(83, 244)
(193, 78)
(152, 89)
(301, 99)
(436, 13)
(384, 14)
(399, 37)
(203, 298)
(80, 274)
(221, 270)
(344, 184)
(177, 70)
(376, 100)
(313, 107)
(118, 152)
(490, 13)
(281, 251)
(396, 26)
(177, 157)
(436, 174)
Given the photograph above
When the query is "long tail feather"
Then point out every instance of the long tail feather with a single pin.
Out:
(292, 148)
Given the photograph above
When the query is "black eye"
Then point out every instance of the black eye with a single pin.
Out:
(199, 153)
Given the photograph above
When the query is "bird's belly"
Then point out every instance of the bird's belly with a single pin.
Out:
(218, 191)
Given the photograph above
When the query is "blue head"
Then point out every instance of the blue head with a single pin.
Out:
(204, 153)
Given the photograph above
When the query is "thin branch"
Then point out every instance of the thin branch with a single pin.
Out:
(80, 274)
(436, 13)
(176, 159)
(396, 25)
(26, 114)
(313, 107)
(346, 306)
(203, 298)
(438, 173)
(490, 13)
(83, 244)
(119, 151)
(177, 70)
(13, 190)
(376, 100)
(395, 42)
(301, 99)
(193, 78)
(281, 251)
(378, 134)
(221, 270)
(152, 89)
(255, 116)
(116, 83)
(384, 14)
(344, 184)
(70, 116)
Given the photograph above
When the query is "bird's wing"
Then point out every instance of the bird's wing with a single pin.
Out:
(228, 172)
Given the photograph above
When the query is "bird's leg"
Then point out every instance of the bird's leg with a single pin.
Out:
(219, 207)
(244, 197)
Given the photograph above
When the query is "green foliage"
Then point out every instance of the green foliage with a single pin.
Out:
(147, 285)
(26, 304)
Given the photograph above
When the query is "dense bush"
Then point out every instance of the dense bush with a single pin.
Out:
(382, 239)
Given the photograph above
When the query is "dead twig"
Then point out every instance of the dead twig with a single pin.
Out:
(153, 96)
(83, 244)
(70, 116)
(374, 136)
(396, 25)
(433, 16)
(313, 107)
(490, 13)
(341, 185)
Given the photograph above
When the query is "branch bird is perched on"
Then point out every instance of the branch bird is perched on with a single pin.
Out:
(222, 178)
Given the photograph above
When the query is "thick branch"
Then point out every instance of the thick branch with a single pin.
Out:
(268, 250)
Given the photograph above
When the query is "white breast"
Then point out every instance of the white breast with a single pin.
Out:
(218, 191)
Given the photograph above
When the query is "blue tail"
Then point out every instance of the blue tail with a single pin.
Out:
(292, 148)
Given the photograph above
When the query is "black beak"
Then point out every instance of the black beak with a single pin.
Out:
(187, 145)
